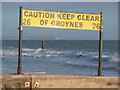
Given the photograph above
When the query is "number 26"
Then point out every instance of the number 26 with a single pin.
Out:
(26, 22)
(96, 26)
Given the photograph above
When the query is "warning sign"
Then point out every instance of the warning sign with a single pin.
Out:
(60, 20)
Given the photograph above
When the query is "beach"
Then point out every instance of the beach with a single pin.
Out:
(71, 48)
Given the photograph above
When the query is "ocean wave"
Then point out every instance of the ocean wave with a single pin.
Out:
(9, 53)
(115, 59)
(103, 56)
(27, 50)
(75, 64)
(91, 66)
(109, 68)
(79, 54)
(39, 52)
(110, 58)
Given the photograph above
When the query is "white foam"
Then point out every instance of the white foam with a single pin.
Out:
(26, 54)
(81, 54)
(27, 50)
(103, 56)
(115, 59)
(112, 58)
(9, 53)
(36, 53)
(40, 52)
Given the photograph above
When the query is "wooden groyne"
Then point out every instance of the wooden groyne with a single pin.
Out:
(57, 81)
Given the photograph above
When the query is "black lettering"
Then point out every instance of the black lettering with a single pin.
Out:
(66, 24)
(57, 23)
(63, 16)
(59, 16)
(28, 22)
(26, 13)
(98, 26)
(53, 23)
(72, 16)
(79, 17)
(76, 24)
(47, 15)
(35, 14)
(80, 24)
(62, 23)
(71, 24)
(30, 14)
(83, 18)
(40, 14)
(41, 22)
(94, 26)
(92, 18)
(68, 16)
(87, 17)
(43, 15)
(52, 15)
(24, 22)
(96, 18)
(46, 21)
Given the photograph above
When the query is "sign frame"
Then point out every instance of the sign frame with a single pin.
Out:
(19, 69)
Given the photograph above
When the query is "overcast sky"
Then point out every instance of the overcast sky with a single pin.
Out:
(10, 17)
(60, 0)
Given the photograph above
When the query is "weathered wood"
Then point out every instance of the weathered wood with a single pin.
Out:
(59, 81)
(43, 44)
(100, 47)
(19, 69)
(34, 73)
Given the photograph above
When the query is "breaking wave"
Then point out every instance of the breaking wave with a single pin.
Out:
(27, 52)
(39, 52)
(114, 58)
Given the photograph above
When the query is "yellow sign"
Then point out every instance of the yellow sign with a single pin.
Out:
(64, 20)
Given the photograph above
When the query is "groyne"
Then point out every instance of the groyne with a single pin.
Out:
(57, 81)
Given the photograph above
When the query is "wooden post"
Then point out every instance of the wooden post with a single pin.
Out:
(42, 44)
(19, 69)
(100, 46)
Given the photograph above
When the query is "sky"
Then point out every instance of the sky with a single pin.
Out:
(10, 19)
(60, 0)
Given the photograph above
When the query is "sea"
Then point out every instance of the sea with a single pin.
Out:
(61, 57)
